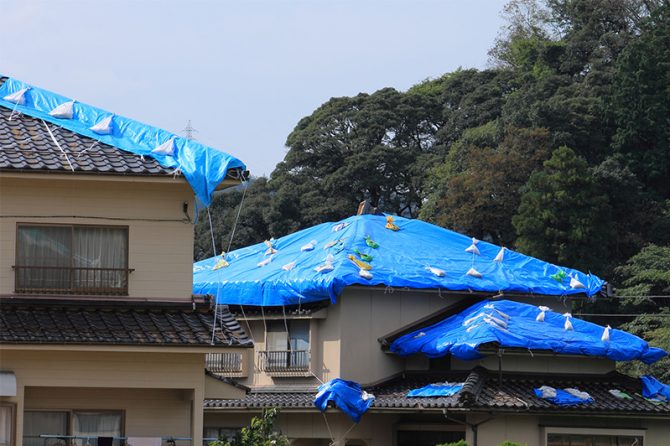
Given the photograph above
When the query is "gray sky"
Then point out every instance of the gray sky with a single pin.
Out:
(244, 71)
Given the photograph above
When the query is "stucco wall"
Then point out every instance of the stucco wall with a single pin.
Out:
(156, 390)
(161, 252)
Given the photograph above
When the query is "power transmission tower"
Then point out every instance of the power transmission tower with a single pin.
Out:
(189, 130)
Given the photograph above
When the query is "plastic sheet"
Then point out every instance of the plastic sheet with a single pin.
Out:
(434, 390)
(563, 397)
(654, 389)
(346, 395)
(418, 255)
(203, 167)
(512, 324)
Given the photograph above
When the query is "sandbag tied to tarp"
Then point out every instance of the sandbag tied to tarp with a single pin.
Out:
(434, 390)
(563, 397)
(346, 395)
(654, 389)
(203, 167)
(417, 255)
(512, 324)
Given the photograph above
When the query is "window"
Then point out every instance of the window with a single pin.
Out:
(567, 436)
(6, 424)
(221, 433)
(286, 350)
(72, 259)
(75, 423)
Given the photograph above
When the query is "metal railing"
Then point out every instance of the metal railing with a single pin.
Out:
(71, 280)
(225, 363)
(283, 361)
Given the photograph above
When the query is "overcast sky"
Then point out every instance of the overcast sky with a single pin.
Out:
(244, 71)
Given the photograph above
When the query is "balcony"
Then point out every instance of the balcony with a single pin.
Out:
(226, 364)
(71, 280)
(284, 363)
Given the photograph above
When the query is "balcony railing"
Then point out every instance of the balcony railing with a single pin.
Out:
(229, 364)
(283, 361)
(71, 280)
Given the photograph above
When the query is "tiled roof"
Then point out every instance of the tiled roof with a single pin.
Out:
(481, 391)
(30, 321)
(26, 145)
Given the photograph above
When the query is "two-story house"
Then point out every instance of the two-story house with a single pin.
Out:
(100, 335)
(329, 302)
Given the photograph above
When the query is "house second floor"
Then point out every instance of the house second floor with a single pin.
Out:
(85, 213)
(303, 346)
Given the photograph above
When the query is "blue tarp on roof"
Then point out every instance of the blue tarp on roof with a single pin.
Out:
(346, 395)
(435, 390)
(654, 389)
(514, 324)
(404, 258)
(203, 167)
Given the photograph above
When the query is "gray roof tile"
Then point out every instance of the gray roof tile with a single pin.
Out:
(34, 321)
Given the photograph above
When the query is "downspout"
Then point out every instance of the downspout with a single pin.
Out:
(474, 427)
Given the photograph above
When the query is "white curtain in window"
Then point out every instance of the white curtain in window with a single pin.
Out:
(100, 248)
(100, 424)
(36, 423)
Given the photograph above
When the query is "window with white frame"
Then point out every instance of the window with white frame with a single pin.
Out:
(572, 436)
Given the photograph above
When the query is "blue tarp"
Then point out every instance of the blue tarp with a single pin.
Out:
(654, 389)
(433, 390)
(563, 398)
(404, 258)
(203, 167)
(512, 324)
(347, 396)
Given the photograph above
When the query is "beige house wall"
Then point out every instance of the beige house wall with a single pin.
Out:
(160, 244)
(161, 393)
(374, 429)
(529, 429)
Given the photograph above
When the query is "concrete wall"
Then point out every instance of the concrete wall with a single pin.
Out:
(161, 252)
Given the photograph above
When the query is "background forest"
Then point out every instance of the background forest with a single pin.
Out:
(560, 150)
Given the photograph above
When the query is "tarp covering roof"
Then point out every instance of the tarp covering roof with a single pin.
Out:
(512, 324)
(203, 167)
(316, 264)
(348, 396)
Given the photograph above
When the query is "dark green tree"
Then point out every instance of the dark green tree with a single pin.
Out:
(252, 226)
(563, 217)
(647, 274)
(640, 103)
(482, 194)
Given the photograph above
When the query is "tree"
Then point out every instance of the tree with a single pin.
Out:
(260, 432)
(640, 104)
(354, 149)
(481, 195)
(563, 218)
(252, 226)
(648, 274)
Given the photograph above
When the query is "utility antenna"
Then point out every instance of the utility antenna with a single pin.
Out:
(189, 130)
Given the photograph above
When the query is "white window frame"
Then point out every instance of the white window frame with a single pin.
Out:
(591, 431)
